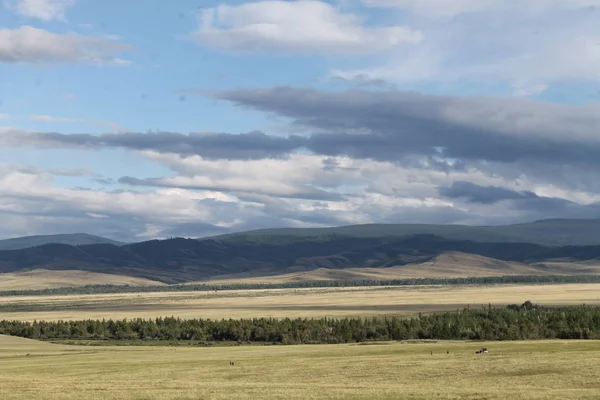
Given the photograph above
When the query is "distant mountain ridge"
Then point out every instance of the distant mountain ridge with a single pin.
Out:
(544, 247)
(74, 239)
(183, 260)
(549, 232)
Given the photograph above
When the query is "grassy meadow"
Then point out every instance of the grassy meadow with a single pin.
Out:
(279, 303)
(43, 279)
(384, 370)
(512, 370)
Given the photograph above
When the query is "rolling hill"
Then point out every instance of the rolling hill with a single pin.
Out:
(445, 265)
(184, 260)
(551, 232)
(44, 279)
(75, 239)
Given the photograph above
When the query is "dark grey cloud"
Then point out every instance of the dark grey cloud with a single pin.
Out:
(396, 123)
(483, 194)
(32, 170)
(362, 80)
(513, 139)
(528, 203)
(380, 125)
(297, 192)
(105, 181)
(246, 146)
(330, 164)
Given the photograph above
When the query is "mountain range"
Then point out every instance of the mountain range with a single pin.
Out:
(550, 232)
(421, 249)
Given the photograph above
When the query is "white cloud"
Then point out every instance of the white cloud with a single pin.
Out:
(31, 202)
(33, 45)
(49, 118)
(303, 26)
(45, 10)
(363, 182)
(3, 116)
(293, 177)
(253, 194)
(525, 46)
(92, 215)
(39, 191)
(530, 90)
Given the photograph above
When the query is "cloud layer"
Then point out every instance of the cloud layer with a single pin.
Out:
(45, 10)
(523, 48)
(33, 45)
(358, 157)
(450, 132)
(383, 126)
(303, 26)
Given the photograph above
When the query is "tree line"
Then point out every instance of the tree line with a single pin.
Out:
(514, 322)
(489, 280)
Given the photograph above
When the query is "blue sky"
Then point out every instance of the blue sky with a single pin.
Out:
(140, 119)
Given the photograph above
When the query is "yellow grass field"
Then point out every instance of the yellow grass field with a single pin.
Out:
(512, 370)
(317, 302)
(43, 279)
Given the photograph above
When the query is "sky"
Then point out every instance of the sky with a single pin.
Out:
(145, 119)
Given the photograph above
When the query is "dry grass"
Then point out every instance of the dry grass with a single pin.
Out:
(44, 279)
(513, 370)
(319, 302)
(446, 265)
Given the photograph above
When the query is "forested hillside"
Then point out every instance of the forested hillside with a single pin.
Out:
(181, 260)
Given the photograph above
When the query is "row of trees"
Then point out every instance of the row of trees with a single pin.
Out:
(490, 280)
(514, 322)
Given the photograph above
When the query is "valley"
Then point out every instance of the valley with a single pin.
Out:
(288, 303)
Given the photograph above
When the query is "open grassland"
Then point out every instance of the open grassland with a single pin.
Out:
(512, 370)
(44, 279)
(316, 302)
